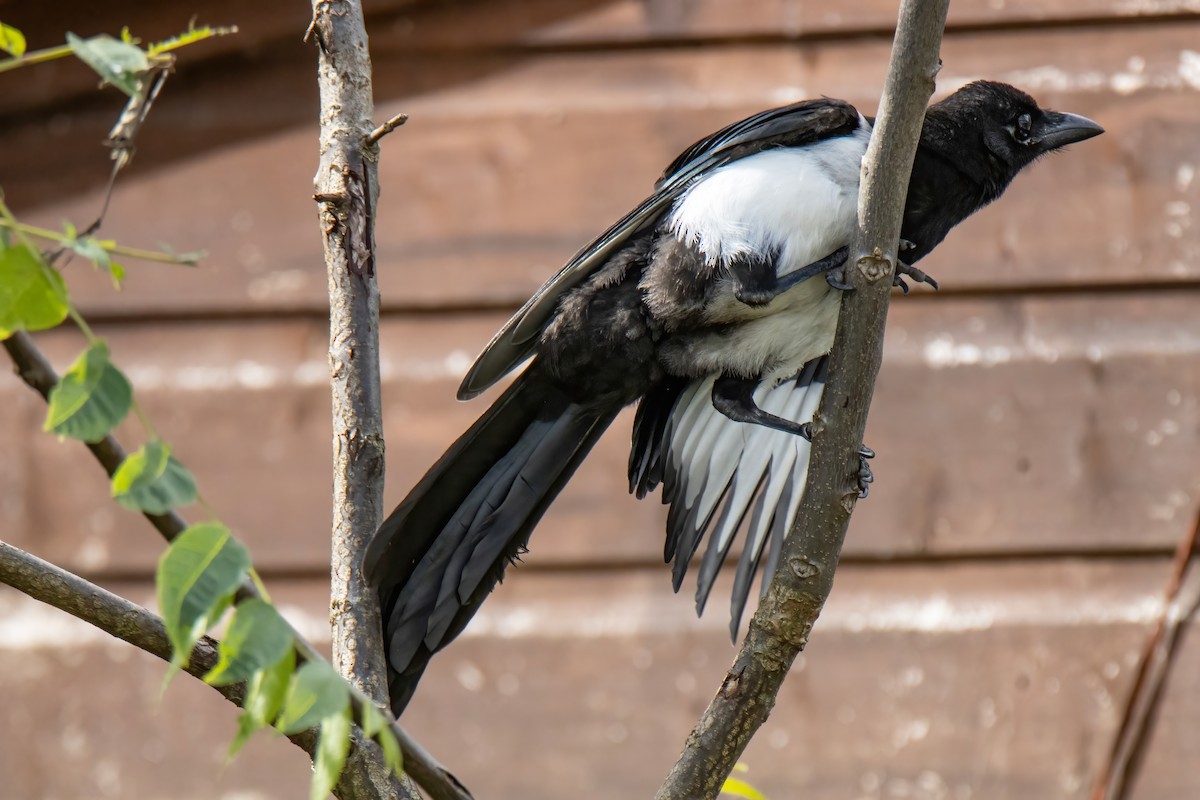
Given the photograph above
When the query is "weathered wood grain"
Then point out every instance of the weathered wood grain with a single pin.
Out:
(269, 30)
(998, 680)
(1002, 426)
(506, 173)
(652, 22)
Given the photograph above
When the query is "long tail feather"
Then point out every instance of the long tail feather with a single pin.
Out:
(446, 546)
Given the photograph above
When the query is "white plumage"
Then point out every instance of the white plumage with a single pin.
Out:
(798, 202)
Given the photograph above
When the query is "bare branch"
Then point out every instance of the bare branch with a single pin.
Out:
(1115, 779)
(383, 130)
(347, 190)
(780, 628)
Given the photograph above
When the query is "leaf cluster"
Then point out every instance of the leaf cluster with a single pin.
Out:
(199, 575)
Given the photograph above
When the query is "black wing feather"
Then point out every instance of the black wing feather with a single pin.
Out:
(790, 126)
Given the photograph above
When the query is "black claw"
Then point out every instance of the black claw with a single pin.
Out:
(865, 479)
(917, 275)
(865, 476)
(806, 430)
(837, 279)
(899, 281)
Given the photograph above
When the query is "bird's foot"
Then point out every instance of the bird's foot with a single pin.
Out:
(838, 279)
(865, 477)
(911, 271)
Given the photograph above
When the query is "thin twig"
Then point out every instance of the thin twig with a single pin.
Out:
(383, 130)
(33, 368)
(1115, 777)
(185, 260)
(780, 628)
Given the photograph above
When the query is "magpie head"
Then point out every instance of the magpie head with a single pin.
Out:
(1012, 129)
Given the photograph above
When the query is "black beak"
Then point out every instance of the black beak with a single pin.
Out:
(1056, 129)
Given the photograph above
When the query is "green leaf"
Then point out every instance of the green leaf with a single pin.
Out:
(90, 248)
(94, 250)
(33, 296)
(91, 398)
(120, 63)
(264, 697)
(372, 719)
(190, 36)
(12, 41)
(316, 692)
(391, 751)
(739, 788)
(117, 272)
(151, 480)
(196, 579)
(332, 748)
(257, 638)
(375, 725)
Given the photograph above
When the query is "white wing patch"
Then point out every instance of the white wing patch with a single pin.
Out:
(719, 473)
(799, 201)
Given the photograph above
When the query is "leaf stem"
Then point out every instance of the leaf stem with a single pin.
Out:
(186, 260)
(36, 57)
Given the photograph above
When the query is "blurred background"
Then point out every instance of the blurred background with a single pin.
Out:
(1036, 421)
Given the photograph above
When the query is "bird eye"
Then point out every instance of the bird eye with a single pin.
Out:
(1021, 130)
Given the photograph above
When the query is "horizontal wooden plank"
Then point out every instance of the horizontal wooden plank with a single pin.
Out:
(268, 30)
(1029, 425)
(520, 23)
(499, 178)
(1000, 681)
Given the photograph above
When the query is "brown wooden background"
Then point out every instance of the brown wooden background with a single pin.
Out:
(1037, 421)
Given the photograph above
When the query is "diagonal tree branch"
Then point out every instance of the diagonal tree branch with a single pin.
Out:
(780, 628)
(33, 367)
(35, 370)
(131, 623)
(1118, 772)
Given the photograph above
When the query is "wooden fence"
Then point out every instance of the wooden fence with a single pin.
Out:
(1037, 420)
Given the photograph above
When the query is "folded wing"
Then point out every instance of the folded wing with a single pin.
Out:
(790, 126)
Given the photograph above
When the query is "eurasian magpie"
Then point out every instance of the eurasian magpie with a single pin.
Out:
(711, 305)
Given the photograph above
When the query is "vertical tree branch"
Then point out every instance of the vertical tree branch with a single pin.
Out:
(346, 191)
(779, 629)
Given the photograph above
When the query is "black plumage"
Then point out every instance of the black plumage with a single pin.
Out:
(707, 295)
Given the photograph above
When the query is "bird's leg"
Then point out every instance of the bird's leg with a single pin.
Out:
(756, 284)
(733, 396)
(834, 261)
